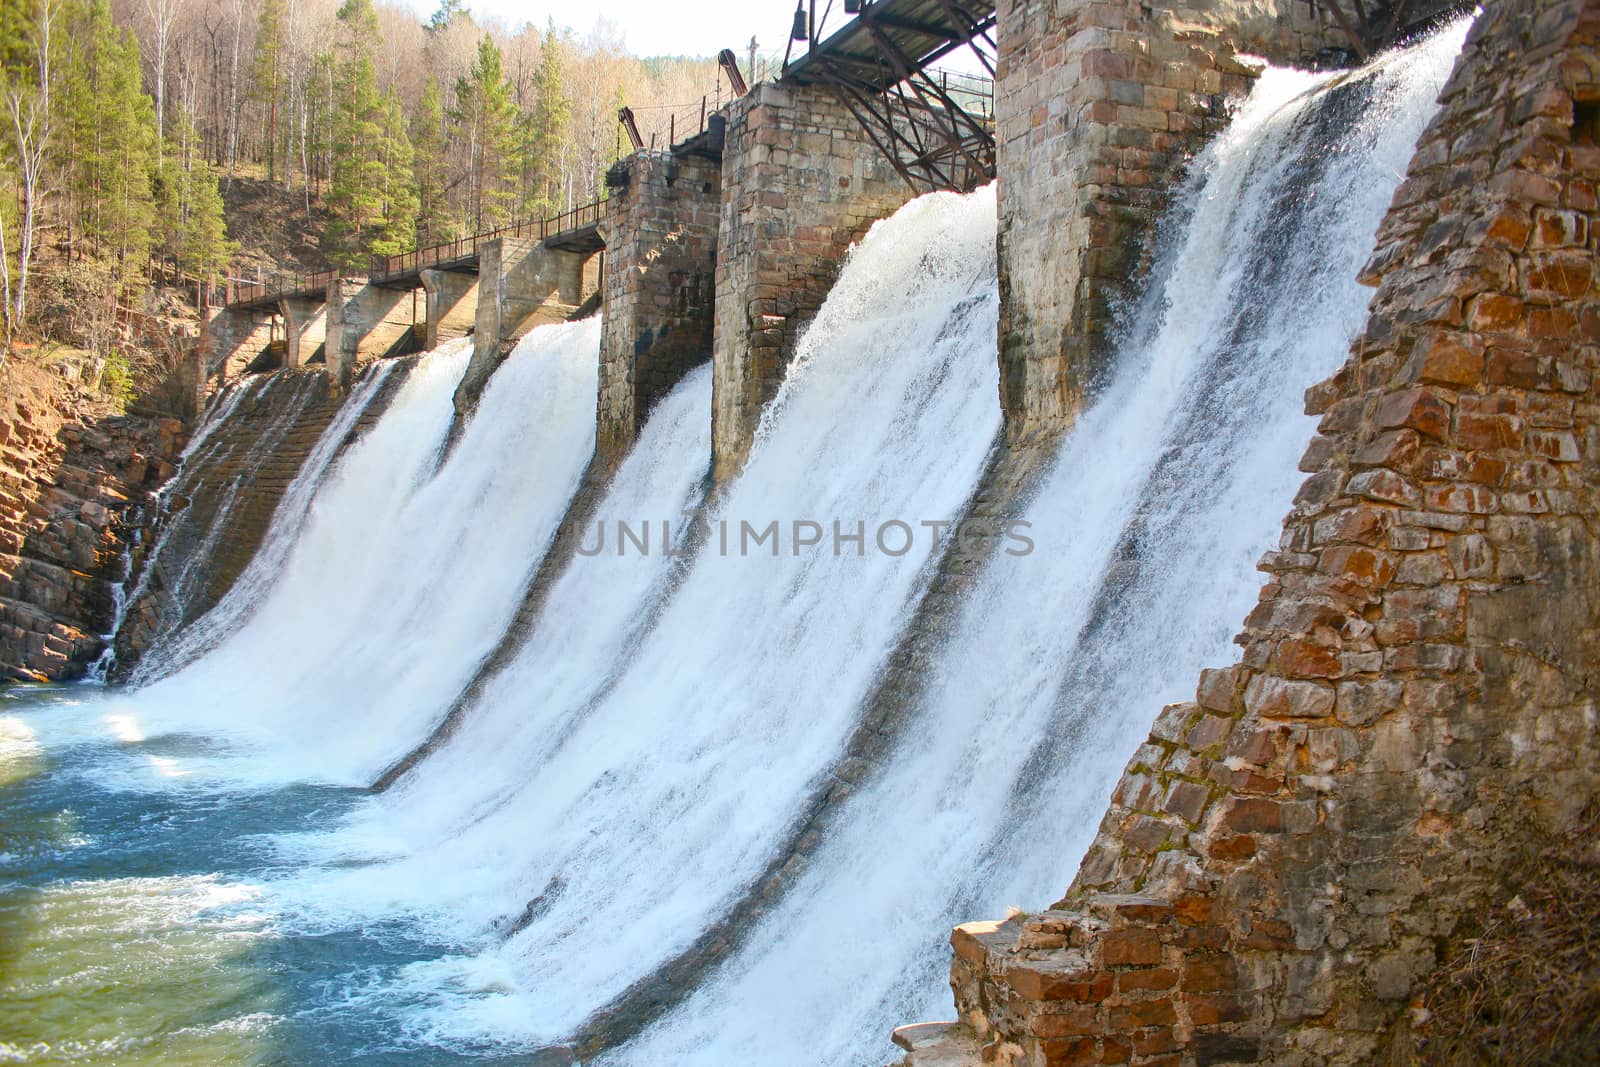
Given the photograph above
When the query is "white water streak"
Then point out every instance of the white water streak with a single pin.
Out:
(1192, 454)
(402, 574)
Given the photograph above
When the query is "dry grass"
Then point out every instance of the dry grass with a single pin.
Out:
(1524, 988)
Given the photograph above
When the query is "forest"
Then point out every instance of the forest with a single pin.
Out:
(153, 151)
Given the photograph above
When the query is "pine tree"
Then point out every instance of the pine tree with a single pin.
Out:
(360, 29)
(449, 11)
(432, 168)
(487, 120)
(195, 232)
(356, 183)
(114, 140)
(398, 232)
(545, 133)
(356, 180)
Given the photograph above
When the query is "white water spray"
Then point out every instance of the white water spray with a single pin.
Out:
(1147, 530)
(401, 575)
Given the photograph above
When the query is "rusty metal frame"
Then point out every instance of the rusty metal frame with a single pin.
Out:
(927, 135)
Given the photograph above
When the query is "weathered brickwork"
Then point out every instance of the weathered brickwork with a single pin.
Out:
(801, 182)
(1286, 852)
(1098, 105)
(660, 269)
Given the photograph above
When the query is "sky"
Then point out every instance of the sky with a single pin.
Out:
(657, 27)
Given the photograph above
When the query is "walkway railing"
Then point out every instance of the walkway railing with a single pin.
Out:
(283, 284)
(389, 267)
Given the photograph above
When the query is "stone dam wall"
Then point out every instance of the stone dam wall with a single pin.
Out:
(1291, 852)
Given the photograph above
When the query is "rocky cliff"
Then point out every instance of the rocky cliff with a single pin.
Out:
(76, 483)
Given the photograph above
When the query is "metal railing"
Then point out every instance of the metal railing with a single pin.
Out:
(279, 285)
(974, 93)
(576, 219)
(664, 128)
(462, 248)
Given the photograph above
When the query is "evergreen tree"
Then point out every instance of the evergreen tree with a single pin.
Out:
(114, 140)
(486, 119)
(191, 207)
(546, 133)
(398, 232)
(360, 30)
(356, 182)
(449, 11)
(434, 222)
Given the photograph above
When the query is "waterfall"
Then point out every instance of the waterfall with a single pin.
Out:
(181, 647)
(622, 781)
(1147, 530)
(606, 809)
(399, 575)
(206, 460)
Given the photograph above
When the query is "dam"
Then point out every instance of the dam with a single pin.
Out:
(1093, 565)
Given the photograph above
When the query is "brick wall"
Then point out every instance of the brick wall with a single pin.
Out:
(1098, 106)
(660, 268)
(800, 183)
(1286, 852)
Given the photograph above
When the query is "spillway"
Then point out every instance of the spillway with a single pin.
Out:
(623, 778)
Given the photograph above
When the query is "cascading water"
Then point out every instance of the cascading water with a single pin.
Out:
(645, 793)
(402, 573)
(1147, 529)
(615, 789)
(209, 458)
(182, 647)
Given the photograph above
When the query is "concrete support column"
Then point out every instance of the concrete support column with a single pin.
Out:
(305, 328)
(660, 267)
(194, 374)
(451, 305)
(344, 328)
(801, 181)
(521, 284)
(238, 337)
(365, 322)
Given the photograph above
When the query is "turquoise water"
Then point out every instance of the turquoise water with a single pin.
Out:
(136, 924)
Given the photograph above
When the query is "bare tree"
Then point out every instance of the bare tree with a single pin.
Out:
(27, 109)
(163, 16)
(237, 9)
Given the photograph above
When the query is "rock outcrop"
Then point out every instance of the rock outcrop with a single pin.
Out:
(75, 485)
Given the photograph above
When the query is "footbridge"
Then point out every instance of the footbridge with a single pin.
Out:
(495, 285)
(722, 243)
